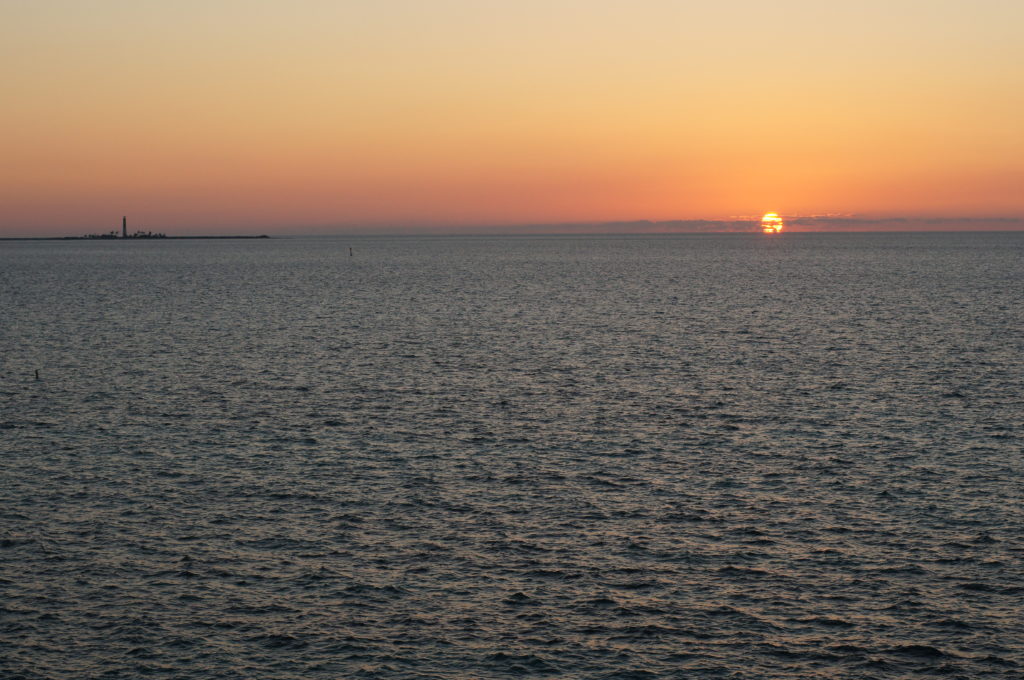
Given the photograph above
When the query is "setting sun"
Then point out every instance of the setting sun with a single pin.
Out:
(771, 223)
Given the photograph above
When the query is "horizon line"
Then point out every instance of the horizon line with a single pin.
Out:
(817, 223)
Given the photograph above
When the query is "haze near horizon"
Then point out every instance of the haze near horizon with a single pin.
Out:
(319, 116)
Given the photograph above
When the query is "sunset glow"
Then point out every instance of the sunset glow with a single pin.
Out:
(771, 223)
(320, 115)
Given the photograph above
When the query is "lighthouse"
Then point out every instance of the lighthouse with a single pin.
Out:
(124, 227)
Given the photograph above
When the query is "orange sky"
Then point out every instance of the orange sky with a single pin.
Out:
(227, 116)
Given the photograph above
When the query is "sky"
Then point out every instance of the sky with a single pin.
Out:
(316, 116)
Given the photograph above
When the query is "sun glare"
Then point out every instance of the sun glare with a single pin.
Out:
(771, 223)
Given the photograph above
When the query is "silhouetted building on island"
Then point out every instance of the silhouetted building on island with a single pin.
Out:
(125, 234)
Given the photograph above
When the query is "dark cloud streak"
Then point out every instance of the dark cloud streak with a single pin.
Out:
(814, 223)
(736, 225)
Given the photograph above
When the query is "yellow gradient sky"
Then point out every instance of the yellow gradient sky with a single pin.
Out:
(240, 115)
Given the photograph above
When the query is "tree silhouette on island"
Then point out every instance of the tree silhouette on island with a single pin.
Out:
(124, 233)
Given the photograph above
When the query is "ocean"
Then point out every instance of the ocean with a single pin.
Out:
(693, 456)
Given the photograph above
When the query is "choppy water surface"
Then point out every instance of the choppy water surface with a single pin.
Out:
(693, 457)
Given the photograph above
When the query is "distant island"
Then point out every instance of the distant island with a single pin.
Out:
(149, 234)
(139, 234)
(124, 233)
(113, 235)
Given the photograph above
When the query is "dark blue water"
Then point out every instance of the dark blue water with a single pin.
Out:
(709, 456)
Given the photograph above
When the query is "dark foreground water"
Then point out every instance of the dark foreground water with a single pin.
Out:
(727, 456)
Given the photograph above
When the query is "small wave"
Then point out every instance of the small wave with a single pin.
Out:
(921, 651)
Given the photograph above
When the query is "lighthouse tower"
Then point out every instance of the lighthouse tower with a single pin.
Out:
(124, 227)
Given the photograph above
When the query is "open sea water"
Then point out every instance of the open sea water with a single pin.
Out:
(700, 456)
